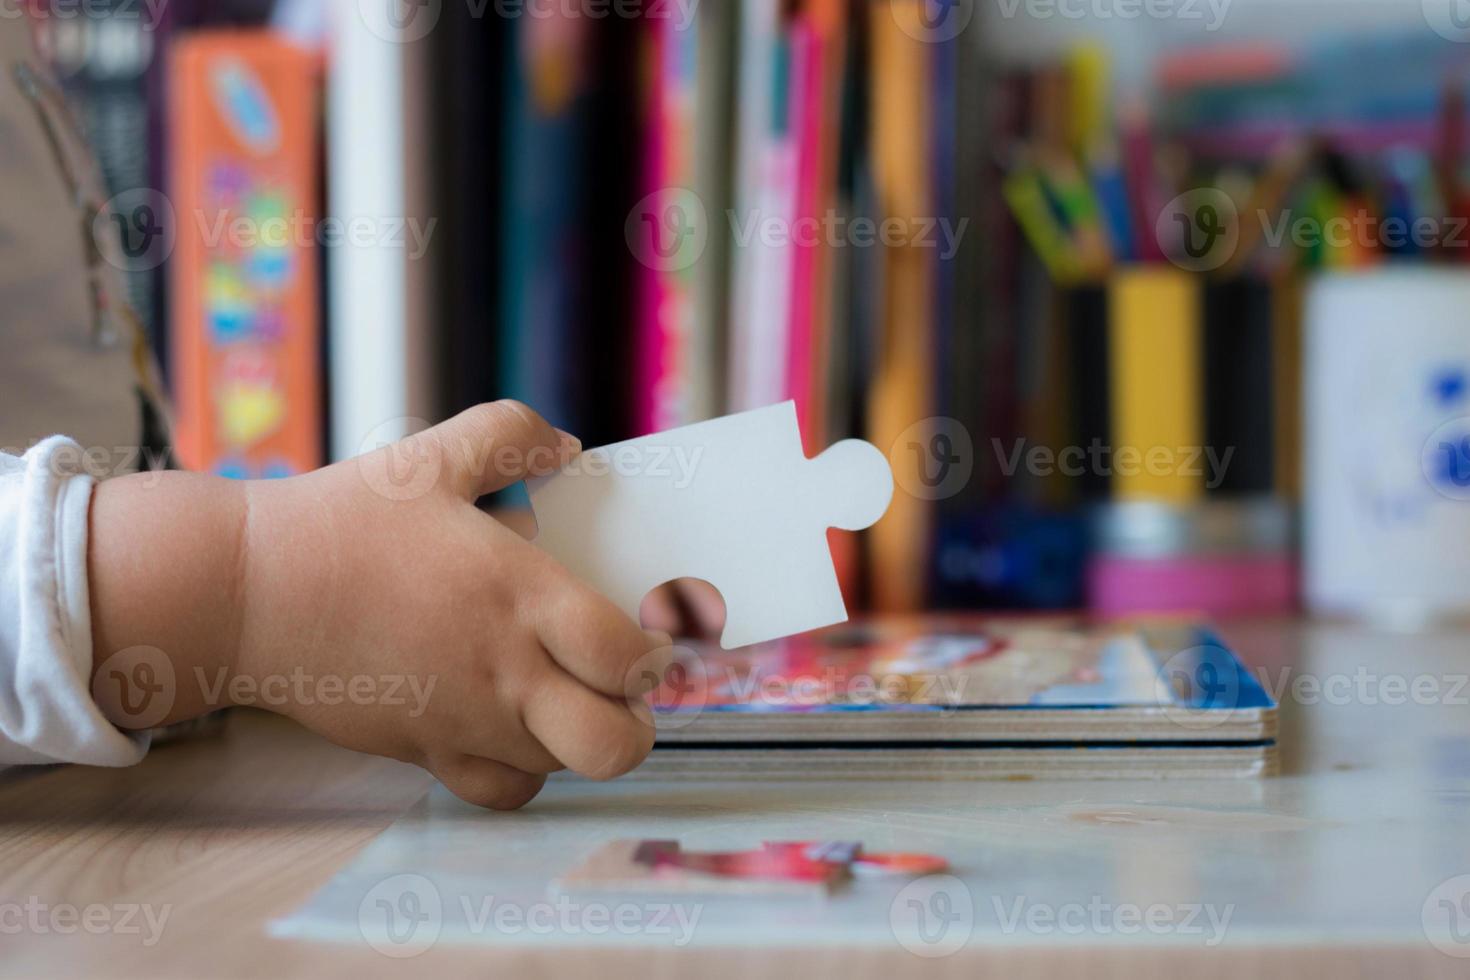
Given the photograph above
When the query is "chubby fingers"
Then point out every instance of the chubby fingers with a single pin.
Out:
(494, 444)
(486, 782)
(595, 641)
(592, 734)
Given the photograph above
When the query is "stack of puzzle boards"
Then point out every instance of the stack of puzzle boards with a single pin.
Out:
(963, 697)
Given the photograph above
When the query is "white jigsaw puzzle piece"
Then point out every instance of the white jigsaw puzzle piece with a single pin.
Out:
(733, 501)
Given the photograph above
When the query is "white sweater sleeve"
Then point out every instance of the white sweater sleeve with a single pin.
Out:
(46, 709)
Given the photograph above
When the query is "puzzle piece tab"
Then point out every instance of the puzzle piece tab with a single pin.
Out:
(733, 501)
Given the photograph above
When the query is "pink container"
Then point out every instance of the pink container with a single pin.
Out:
(1217, 586)
(1221, 557)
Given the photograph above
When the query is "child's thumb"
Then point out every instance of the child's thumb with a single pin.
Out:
(494, 444)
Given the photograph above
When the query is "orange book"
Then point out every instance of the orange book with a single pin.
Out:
(901, 397)
(244, 319)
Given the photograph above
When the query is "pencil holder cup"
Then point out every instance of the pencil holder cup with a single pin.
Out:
(1386, 476)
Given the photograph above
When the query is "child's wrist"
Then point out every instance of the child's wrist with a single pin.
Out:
(162, 559)
(286, 564)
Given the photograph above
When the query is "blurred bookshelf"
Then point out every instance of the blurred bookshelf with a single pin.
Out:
(971, 233)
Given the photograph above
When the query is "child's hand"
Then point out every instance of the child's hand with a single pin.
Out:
(381, 572)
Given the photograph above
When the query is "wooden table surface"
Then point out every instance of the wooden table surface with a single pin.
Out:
(227, 833)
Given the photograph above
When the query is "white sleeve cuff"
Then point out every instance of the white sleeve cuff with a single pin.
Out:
(46, 709)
